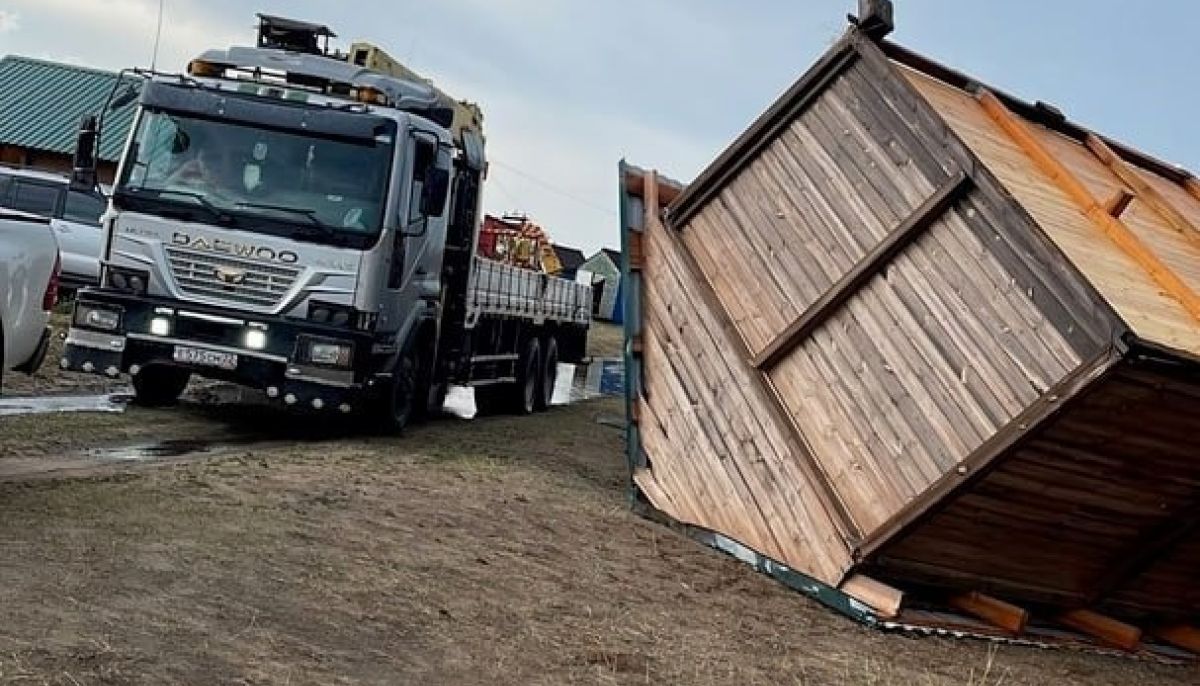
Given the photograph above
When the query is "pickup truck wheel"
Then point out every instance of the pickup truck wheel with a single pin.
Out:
(157, 385)
(549, 375)
(526, 391)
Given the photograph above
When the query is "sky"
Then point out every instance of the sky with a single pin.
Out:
(570, 87)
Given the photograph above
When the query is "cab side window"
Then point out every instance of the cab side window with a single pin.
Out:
(83, 208)
(35, 198)
(424, 157)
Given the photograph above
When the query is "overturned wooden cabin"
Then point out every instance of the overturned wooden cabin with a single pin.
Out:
(918, 340)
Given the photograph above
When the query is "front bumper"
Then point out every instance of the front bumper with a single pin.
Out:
(274, 369)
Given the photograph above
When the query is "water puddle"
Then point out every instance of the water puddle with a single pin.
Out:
(573, 384)
(159, 450)
(55, 404)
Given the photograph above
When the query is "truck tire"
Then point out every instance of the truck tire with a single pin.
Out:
(490, 400)
(396, 409)
(525, 392)
(549, 375)
(157, 385)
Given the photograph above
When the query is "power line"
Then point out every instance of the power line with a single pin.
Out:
(554, 189)
(157, 34)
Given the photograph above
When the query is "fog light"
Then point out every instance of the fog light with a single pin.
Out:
(272, 391)
(332, 354)
(256, 339)
(97, 317)
(344, 408)
(160, 326)
(290, 399)
(317, 403)
(135, 369)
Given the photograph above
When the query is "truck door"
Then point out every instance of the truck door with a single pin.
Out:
(414, 272)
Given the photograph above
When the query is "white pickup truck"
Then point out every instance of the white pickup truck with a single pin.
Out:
(29, 273)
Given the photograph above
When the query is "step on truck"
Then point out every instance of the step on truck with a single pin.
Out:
(305, 222)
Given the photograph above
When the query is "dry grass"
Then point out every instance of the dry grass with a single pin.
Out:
(490, 552)
(606, 339)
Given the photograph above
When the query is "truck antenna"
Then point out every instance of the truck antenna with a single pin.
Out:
(157, 34)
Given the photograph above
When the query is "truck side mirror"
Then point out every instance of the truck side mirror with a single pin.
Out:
(434, 192)
(83, 168)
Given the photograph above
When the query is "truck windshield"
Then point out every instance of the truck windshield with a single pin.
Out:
(260, 179)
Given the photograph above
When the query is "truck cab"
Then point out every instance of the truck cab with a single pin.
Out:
(290, 220)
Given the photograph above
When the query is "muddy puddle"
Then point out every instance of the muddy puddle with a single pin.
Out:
(54, 404)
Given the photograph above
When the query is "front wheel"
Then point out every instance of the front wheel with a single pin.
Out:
(395, 411)
(158, 385)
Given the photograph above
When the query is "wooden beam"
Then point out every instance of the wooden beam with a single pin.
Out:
(1192, 186)
(1116, 205)
(878, 596)
(1184, 636)
(1004, 615)
(897, 239)
(1106, 629)
(1145, 192)
(1127, 241)
(636, 254)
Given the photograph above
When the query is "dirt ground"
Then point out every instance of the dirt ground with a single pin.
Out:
(497, 551)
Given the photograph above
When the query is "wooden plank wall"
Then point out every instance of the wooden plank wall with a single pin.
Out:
(1116, 275)
(717, 456)
(944, 345)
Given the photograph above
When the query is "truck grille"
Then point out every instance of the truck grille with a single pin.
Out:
(230, 279)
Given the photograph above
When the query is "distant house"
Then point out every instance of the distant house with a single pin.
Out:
(605, 267)
(41, 105)
(570, 259)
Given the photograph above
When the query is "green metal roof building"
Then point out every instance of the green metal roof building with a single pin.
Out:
(41, 104)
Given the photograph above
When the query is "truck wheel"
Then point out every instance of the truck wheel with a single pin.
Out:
(525, 392)
(396, 410)
(489, 400)
(549, 375)
(157, 385)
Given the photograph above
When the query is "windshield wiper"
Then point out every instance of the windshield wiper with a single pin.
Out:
(219, 215)
(310, 215)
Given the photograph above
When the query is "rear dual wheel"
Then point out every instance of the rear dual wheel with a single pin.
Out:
(536, 374)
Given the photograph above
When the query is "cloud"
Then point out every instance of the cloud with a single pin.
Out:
(9, 21)
(113, 34)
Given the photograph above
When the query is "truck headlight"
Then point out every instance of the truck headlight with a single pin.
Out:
(325, 352)
(325, 313)
(93, 317)
(129, 280)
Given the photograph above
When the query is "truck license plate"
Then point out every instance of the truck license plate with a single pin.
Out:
(206, 358)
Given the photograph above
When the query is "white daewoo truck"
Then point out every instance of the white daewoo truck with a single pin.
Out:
(29, 274)
(305, 223)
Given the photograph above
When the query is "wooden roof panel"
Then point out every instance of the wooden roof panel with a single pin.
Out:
(1147, 308)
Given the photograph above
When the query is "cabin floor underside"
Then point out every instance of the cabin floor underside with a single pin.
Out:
(1098, 508)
